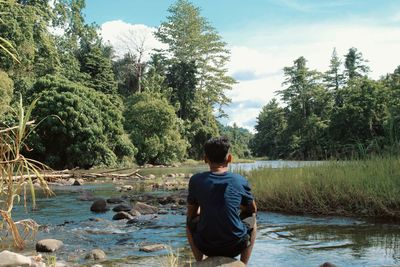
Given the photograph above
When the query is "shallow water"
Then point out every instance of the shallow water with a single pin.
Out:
(282, 240)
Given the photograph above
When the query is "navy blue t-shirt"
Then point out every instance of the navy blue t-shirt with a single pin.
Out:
(219, 197)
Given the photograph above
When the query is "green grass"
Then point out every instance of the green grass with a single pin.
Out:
(353, 188)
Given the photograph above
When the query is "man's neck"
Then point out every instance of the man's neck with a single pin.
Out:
(218, 168)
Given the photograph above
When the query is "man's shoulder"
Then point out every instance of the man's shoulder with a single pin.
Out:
(198, 176)
(238, 177)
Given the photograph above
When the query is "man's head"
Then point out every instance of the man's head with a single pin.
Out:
(217, 150)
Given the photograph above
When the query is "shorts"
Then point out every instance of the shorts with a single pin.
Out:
(227, 251)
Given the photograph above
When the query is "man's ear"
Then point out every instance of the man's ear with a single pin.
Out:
(206, 160)
(229, 158)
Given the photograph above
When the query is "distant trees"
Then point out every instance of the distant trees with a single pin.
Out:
(326, 115)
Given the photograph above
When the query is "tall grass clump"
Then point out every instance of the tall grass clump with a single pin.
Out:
(17, 174)
(369, 187)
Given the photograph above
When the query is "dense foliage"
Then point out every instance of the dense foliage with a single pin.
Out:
(84, 91)
(86, 124)
(333, 114)
(154, 129)
(6, 91)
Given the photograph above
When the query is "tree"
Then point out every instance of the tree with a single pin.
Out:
(153, 128)
(191, 38)
(98, 66)
(355, 65)
(271, 125)
(81, 127)
(333, 78)
(359, 122)
(308, 109)
(239, 138)
(126, 79)
(6, 92)
(181, 77)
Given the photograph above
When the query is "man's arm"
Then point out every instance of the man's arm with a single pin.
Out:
(193, 210)
(248, 210)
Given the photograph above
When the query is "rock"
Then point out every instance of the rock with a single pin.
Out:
(152, 248)
(122, 207)
(327, 264)
(217, 262)
(171, 175)
(134, 213)
(115, 200)
(122, 215)
(11, 259)
(96, 254)
(143, 219)
(78, 182)
(181, 201)
(99, 205)
(97, 265)
(127, 187)
(144, 208)
(85, 196)
(48, 245)
(151, 176)
(162, 212)
(166, 200)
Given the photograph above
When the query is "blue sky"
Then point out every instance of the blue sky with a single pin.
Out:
(266, 35)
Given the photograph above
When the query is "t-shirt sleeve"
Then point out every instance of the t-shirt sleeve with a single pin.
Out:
(247, 197)
(191, 198)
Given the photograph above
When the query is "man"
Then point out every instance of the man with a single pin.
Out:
(218, 201)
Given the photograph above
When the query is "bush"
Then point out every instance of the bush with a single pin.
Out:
(81, 127)
(153, 128)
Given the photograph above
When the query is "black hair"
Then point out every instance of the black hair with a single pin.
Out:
(216, 149)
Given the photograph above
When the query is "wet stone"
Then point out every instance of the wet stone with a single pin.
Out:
(48, 245)
(115, 200)
(99, 205)
(122, 207)
(122, 215)
(152, 248)
(96, 254)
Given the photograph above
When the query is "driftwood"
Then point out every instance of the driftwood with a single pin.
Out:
(66, 174)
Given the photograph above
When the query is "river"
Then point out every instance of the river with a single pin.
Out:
(282, 240)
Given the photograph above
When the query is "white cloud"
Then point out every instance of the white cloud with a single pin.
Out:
(126, 37)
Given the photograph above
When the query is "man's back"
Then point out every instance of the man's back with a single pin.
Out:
(219, 197)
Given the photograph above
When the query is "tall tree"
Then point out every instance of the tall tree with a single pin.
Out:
(181, 77)
(333, 78)
(309, 105)
(355, 65)
(190, 37)
(271, 125)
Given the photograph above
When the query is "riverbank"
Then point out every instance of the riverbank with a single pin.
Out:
(367, 188)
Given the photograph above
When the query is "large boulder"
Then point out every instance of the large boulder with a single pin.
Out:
(96, 254)
(11, 259)
(99, 205)
(217, 262)
(48, 245)
(122, 207)
(144, 208)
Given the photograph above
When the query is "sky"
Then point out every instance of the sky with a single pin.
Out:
(264, 36)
